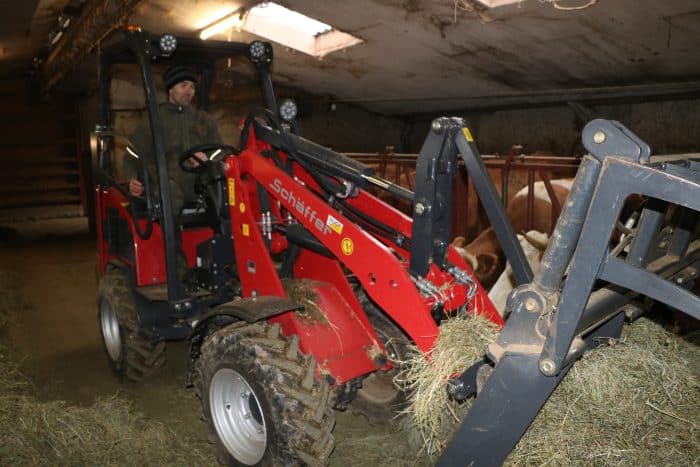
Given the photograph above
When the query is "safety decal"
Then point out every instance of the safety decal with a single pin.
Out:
(245, 229)
(467, 134)
(334, 224)
(231, 192)
(347, 246)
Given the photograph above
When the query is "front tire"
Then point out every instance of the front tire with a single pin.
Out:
(261, 399)
(131, 356)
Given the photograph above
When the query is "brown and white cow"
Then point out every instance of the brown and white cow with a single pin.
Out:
(533, 244)
(484, 253)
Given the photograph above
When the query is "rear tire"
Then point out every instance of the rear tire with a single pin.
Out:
(261, 399)
(131, 356)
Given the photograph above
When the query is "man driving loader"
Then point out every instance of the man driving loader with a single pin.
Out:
(184, 126)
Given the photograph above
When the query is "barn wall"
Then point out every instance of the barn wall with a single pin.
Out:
(39, 152)
(668, 126)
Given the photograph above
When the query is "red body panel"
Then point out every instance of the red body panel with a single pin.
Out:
(340, 341)
(375, 266)
(148, 261)
(190, 239)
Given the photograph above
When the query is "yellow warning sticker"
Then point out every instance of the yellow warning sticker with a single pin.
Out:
(246, 230)
(334, 224)
(467, 134)
(231, 192)
(347, 246)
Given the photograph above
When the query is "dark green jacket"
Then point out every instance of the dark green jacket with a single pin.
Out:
(183, 127)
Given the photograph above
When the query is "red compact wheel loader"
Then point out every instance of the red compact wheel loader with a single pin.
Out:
(299, 282)
(301, 288)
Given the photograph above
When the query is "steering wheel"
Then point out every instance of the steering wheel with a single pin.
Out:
(183, 160)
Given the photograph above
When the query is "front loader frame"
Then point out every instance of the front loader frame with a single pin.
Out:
(557, 316)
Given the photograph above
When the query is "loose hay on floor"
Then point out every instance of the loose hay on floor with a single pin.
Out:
(9, 300)
(358, 444)
(632, 402)
(53, 433)
(12, 381)
(109, 432)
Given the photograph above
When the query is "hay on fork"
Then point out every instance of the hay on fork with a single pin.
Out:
(430, 416)
(632, 401)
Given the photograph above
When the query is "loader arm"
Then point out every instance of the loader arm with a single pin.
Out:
(363, 236)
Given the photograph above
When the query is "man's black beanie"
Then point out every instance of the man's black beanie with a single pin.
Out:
(176, 74)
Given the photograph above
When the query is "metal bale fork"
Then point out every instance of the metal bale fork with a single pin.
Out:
(563, 310)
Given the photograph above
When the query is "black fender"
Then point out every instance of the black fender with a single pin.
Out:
(251, 310)
(116, 263)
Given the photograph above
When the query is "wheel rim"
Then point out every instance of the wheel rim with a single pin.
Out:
(110, 331)
(237, 416)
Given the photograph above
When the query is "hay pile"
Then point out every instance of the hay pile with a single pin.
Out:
(633, 402)
(109, 432)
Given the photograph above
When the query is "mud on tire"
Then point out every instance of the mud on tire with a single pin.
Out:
(132, 356)
(261, 399)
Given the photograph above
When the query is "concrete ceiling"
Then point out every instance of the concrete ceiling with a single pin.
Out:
(432, 55)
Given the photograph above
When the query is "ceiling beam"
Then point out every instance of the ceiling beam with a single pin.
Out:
(554, 97)
(98, 19)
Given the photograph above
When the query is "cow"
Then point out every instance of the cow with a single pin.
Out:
(533, 243)
(485, 253)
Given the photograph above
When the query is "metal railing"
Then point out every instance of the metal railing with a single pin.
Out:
(509, 172)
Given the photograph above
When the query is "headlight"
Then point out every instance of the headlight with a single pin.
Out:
(288, 110)
(260, 52)
(167, 44)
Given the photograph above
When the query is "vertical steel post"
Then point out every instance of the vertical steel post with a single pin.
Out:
(568, 229)
(493, 206)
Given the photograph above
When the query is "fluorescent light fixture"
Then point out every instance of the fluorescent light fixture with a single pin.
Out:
(232, 20)
(289, 28)
(497, 3)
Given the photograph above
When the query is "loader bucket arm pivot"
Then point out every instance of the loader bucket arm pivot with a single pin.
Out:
(432, 207)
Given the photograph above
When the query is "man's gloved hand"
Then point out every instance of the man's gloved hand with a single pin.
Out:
(197, 158)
